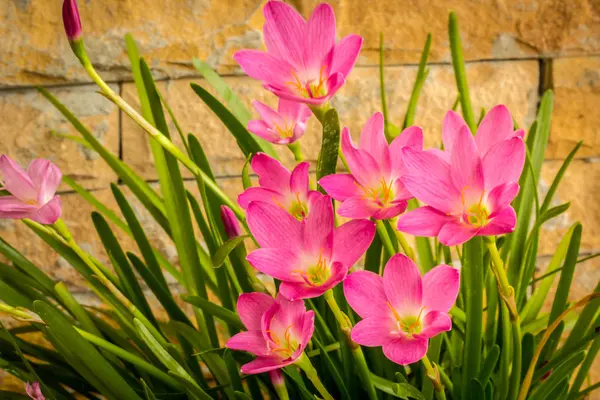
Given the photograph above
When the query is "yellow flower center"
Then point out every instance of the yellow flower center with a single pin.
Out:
(383, 194)
(477, 214)
(317, 274)
(409, 325)
(285, 132)
(297, 208)
(310, 89)
(283, 347)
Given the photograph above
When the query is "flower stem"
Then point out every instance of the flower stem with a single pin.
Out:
(385, 238)
(107, 92)
(434, 374)
(279, 384)
(296, 151)
(357, 353)
(506, 291)
(303, 362)
(408, 250)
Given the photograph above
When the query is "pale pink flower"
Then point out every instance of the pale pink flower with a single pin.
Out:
(309, 257)
(32, 192)
(373, 188)
(71, 20)
(468, 187)
(34, 391)
(401, 310)
(288, 190)
(278, 331)
(230, 222)
(284, 126)
(303, 62)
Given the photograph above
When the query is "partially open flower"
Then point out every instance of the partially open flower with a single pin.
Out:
(278, 331)
(32, 192)
(468, 187)
(284, 126)
(309, 257)
(303, 62)
(373, 188)
(280, 187)
(401, 310)
(33, 390)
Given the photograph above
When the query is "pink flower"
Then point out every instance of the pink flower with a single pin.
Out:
(284, 126)
(33, 192)
(230, 222)
(401, 310)
(33, 390)
(71, 20)
(373, 188)
(302, 61)
(278, 331)
(309, 257)
(279, 186)
(468, 187)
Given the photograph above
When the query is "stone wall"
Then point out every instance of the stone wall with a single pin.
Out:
(515, 50)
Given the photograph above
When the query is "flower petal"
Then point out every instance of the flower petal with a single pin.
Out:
(261, 129)
(465, 162)
(49, 213)
(351, 240)
(430, 180)
(293, 110)
(496, 126)
(362, 165)
(410, 137)
(345, 54)
(391, 211)
(251, 307)
(250, 341)
(289, 312)
(503, 222)
(46, 177)
(365, 294)
(358, 207)
(265, 364)
(374, 331)
(504, 162)
(406, 351)
(452, 124)
(273, 227)
(278, 263)
(318, 228)
(296, 291)
(267, 114)
(308, 328)
(271, 173)
(320, 37)
(455, 232)
(423, 221)
(440, 288)
(16, 180)
(264, 67)
(11, 207)
(435, 322)
(259, 194)
(372, 140)
(284, 32)
(403, 285)
(299, 184)
(501, 196)
(340, 186)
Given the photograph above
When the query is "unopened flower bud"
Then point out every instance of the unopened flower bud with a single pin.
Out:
(230, 222)
(71, 20)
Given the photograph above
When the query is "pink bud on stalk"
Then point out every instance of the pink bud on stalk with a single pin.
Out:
(71, 20)
(230, 222)
(33, 390)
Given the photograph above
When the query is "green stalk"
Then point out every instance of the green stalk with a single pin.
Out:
(330, 144)
(385, 238)
(408, 250)
(459, 72)
(357, 353)
(296, 151)
(157, 135)
(303, 362)
(472, 281)
(434, 375)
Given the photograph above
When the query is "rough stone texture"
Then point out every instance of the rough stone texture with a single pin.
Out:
(35, 50)
(29, 120)
(512, 83)
(580, 186)
(577, 94)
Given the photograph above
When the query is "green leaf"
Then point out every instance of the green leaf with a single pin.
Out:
(476, 390)
(458, 63)
(556, 377)
(245, 174)
(330, 144)
(27, 266)
(489, 365)
(553, 213)
(210, 308)
(583, 372)
(332, 370)
(78, 350)
(422, 73)
(246, 141)
(223, 251)
(558, 177)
